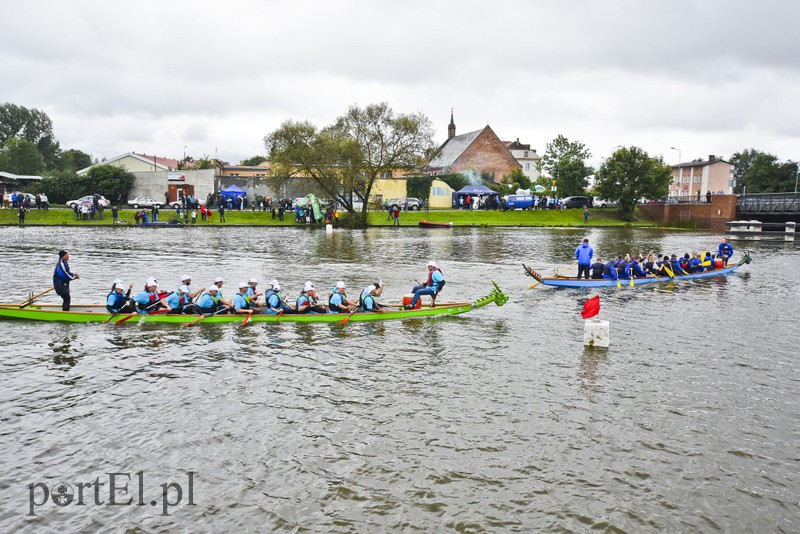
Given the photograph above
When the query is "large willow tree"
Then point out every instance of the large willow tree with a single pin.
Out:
(345, 158)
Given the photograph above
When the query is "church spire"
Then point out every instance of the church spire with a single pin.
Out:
(451, 129)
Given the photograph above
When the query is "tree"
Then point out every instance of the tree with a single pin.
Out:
(20, 156)
(630, 174)
(346, 158)
(109, 181)
(32, 125)
(516, 176)
(564, 160)
(760, 172)
(254, 161)
(419, 186)
(74, 160)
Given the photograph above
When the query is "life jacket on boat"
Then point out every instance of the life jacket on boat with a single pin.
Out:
(438, 285)
(115, 301)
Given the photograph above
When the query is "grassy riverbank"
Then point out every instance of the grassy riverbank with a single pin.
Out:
(566, 218)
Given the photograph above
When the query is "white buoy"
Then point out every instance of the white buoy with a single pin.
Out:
(595, 333)
(329, 228)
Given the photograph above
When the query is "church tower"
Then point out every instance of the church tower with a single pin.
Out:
(451, 129)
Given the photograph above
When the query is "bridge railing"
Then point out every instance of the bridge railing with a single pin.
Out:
(768, 203)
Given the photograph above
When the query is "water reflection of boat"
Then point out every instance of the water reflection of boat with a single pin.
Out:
(568, 281)
(98, 314)
(431, 224)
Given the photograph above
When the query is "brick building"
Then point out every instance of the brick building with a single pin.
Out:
(479, 151)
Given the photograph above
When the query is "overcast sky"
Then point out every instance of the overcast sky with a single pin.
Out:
(706, 76)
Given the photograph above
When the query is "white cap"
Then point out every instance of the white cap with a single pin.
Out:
(212, 287)
(252, 281)
(119, 284)
(274, 283)
(218, 279)
(276, 286)
(184, 289)
(118, 281)
(243, 284)
(309, 286)
(432, 264)
(185, 277)
(340, 285)
(152, 282)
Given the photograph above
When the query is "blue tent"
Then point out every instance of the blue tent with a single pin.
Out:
(233, 192)
(476, 190)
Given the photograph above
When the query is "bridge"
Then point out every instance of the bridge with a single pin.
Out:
(777, 207)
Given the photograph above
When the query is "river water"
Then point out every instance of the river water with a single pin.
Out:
(494, 421)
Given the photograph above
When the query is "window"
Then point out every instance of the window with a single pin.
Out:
(527, 166)
(526, 154)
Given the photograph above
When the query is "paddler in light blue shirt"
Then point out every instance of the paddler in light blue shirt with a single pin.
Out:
(275, 300)
(307, 300)
(338, 301)
(179, 300)
(209, 301)
(242, 303)
(252, 292)
(186, 280)
(218, 281)
(368, 302)
(147, 300)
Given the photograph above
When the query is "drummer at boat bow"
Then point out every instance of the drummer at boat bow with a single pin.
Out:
(584, 255)
(148, 300)
(431, 287)
(62, 276)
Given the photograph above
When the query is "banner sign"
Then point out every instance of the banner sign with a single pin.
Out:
(176, 177)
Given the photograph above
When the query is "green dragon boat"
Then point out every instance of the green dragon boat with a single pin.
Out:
(97, 313)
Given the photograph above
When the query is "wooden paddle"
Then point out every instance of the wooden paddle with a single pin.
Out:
(130, 315)
(116, 313)
(29, 301)
(573, 264)
(145, 316)
(344, 321)
(247, 319)
(204, 316)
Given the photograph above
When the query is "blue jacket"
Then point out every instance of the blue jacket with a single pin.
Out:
(725, 249)
(584, 254)
(62, 271)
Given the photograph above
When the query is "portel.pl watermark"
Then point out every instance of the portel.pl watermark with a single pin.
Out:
(110, 490)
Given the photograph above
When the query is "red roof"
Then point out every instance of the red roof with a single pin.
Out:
(167, 162)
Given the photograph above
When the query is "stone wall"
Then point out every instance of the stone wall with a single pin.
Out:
(721, 210)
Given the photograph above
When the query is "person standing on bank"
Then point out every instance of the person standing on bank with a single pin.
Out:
(62, 276)
(585, 215)
(584, 255)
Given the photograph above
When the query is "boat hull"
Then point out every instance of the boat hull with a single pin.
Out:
(99, 314)
(607, 282)
(430, 224)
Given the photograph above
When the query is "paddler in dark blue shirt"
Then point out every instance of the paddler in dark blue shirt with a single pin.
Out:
(62, 276)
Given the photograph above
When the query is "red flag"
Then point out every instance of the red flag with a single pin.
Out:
(591, 307)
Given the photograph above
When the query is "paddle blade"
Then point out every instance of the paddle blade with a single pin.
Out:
(126, 318)
(618, 284)
(247, 319)
(631, 281)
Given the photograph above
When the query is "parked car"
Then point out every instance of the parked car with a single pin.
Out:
(411, 203)
(146, 202)
(519, 202)
(88, 199)
(576, 202)
(600, 202)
